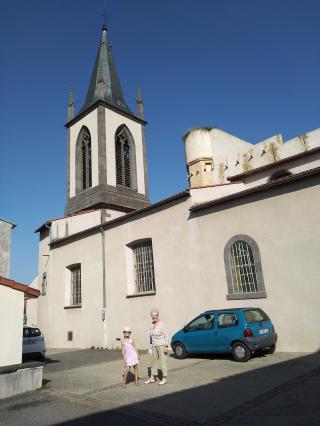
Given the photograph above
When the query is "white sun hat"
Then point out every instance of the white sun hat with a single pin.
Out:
(127, 329)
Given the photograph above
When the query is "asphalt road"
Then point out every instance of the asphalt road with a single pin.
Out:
(82, 388)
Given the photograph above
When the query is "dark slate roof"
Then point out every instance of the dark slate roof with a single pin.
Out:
(105, 67)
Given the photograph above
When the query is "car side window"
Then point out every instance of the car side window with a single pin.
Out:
(253, 316)
(204, 322)
(227, 320)
(26, 332)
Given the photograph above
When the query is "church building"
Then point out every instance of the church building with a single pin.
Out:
(244, 233)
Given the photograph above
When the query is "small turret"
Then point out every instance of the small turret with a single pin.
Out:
(199, 159)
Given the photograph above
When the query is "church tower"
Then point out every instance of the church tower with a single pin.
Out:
(106, 144)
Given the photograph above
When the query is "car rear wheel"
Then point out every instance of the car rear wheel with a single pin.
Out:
(240, 352)
(271, 350)
(180, 351)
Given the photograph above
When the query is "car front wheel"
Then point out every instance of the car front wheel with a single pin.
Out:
(240, 352)
(179, 351)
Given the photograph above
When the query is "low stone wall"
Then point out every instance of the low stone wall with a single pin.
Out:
(19, 379)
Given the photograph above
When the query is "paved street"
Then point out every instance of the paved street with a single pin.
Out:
(82, 388)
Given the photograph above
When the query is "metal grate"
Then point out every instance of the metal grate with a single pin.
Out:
(76, 285)
(244, 276)
(143, 265)
(86, 160)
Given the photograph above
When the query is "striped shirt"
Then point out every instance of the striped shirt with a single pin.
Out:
(158, 334)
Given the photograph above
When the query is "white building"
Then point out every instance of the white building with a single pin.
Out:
(12, 298)
(245, 233)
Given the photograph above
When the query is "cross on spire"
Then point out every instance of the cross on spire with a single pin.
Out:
(105, 16)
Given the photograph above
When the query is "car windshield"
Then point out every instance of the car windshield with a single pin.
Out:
(204, 322)
(31, 332)
(253, 316)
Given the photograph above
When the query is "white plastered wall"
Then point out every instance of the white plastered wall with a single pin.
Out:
(56, 317)
(32, 304)
(91, 122)
(11, 318)
(113, 121)
(190, 272)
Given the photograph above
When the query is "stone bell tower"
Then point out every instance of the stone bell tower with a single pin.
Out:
(107, 161)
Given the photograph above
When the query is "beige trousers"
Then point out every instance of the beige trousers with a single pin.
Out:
(158, 357)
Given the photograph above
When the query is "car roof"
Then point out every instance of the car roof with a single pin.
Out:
(229, 309)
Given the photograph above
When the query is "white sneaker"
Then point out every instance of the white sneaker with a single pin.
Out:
(164, 381)
(149, 381)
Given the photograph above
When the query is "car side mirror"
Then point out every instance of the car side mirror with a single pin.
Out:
(185, 329)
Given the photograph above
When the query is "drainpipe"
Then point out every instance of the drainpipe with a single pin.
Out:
(103, 217)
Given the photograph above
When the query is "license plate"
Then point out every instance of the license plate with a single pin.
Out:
(263, 331)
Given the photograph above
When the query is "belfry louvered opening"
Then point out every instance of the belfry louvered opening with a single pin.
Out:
(86, 160)
(143, 267)
(83, 161)
(125, 158)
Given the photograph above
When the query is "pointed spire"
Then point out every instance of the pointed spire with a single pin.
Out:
(105, 77)
(71, 104)
(140, 103)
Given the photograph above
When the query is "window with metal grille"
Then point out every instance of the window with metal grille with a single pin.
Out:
(244, 277)
(243, 269)
(86, 166)
(75, 284)
(124, 157)
(143, 267)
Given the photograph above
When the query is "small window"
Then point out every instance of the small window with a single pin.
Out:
(75, 284)
(228, 320)
(70, 336)
(204, 322)
(44, 284)
(143, 267)
(253, 316)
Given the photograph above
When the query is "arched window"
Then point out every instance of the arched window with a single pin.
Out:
(125, 158)
(83, 161)
(243, 269)
(279, 174)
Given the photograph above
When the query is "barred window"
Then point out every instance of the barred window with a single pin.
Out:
(75, 284)
(125, 158)
(243, 268)
(244, 276)
(83, 161)
(143, 267)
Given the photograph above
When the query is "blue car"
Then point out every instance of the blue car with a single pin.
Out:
(240, 331)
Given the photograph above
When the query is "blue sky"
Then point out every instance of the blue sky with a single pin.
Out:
(250, 67)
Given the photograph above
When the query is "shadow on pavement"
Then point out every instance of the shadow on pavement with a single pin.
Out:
(281, 394)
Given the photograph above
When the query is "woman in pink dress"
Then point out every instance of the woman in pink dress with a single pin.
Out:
(130, 356)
